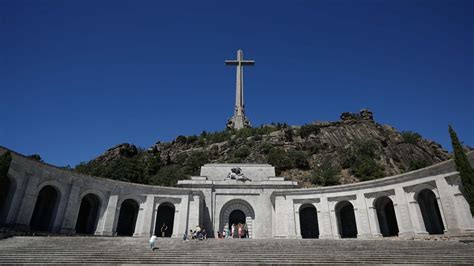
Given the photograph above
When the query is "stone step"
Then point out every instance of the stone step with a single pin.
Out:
(123, 250)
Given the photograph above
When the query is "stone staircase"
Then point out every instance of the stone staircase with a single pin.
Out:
(128, 250)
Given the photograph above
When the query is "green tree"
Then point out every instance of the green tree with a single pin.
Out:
(464, 168)
(325, 175)
(242, 152)
(5, 161)
(299, 159)
(280, 159)
(410, 137)
(168, 176)
(35, 157)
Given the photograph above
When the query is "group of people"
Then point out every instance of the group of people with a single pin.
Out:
(235, 231)
(198, 233)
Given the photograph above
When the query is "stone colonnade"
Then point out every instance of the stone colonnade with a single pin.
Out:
(44, 198)
(410, 205)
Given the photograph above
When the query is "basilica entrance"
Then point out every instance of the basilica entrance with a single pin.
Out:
(237, 217)
(237, 212)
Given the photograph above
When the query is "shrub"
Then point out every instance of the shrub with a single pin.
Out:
(5, 161)
(181, 139)
(367, 169)
(417, 164)
(361, 159)
(265, 147)
(280, 159)
(307, 130)
(194, 161)
(410, 137)
(168, 176)
(35, 157)
(325, 175)
(299, 159)
(242, 152)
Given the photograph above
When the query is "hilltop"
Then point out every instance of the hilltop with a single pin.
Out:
(354, 148)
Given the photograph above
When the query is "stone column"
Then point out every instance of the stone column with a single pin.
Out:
(145, 217)
(297, 220)
(110, 216)
(361, 215)
(324, 219)
(72, 211)
(402, 213)
(334, 222)
(374, 222)
(17, 200)
(281, 217)
(28, 203)
(416, 216)
(61, 209)
(447, 207)
(194, 211)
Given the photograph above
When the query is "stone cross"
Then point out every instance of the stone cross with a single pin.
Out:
(239, 120)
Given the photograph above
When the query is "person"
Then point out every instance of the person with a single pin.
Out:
(163, 230)
(152, 242)
(232, 231)
(191, 233)
(246, 231)
(204, 234)
(219, 235)
(239, 230)
(185, 237)
(226, 230)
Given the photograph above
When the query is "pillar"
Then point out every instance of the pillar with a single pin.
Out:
(110, 216)
(72, 211)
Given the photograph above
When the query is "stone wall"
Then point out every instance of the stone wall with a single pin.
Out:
(29, 177)
(403, 191)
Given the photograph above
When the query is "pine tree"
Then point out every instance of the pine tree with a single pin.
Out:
(464, 168)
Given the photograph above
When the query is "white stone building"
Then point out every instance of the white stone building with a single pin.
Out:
(42, 197)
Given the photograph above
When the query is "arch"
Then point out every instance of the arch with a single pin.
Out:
(241, 205)
(88, 214)
(309, 226)
(346, 219)
(430, 212)
(237, 217)
(386, 216)
(7, 190)
(127, 217)
(165, 215)
(45, 209)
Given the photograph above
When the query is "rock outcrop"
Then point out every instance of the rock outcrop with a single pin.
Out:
(352, 149)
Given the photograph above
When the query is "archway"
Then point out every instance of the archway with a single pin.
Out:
(7, 189)
(88, 214)
(232, 212)
(45, 209)
(165, 215)
(237, 217)
(430, 212)
(346, 220)
(127, 218)
(309, 221)
(386, 216)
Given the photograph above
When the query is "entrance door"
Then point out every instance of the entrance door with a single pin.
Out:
(236, 217)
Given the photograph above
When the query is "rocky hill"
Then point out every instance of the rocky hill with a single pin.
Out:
(355, 148)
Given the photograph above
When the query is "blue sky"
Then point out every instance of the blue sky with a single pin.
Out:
(78, 77)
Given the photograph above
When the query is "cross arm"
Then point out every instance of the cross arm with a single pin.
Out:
(243, 62)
